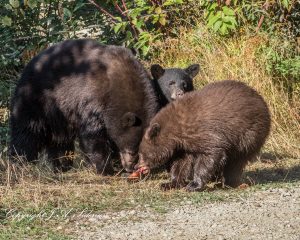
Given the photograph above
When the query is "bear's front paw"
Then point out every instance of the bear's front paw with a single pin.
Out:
(194, 187)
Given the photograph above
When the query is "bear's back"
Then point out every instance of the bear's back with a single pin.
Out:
(222, 114)
(77, 79)
(224, 101)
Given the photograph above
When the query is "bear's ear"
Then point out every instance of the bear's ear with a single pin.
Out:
(157, 71)
(192, 70)
(130, 119)
(152, 131)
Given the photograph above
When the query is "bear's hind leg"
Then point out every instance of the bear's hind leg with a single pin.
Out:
(233, 171)
(205, 166)
(61, 156)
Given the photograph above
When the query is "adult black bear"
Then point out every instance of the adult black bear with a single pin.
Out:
(172, 83)
(216, 130)
(80, 88)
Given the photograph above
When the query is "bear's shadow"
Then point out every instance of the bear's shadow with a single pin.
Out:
(275, 171)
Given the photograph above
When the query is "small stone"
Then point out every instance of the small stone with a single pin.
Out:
(59, 228)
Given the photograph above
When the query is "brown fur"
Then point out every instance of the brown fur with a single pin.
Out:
(216, 130)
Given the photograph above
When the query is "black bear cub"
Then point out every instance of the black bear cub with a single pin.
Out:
(214, 131)
(172, 83)
(100, 94)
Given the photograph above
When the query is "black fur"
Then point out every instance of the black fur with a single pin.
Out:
(80, 88)
(172, 83)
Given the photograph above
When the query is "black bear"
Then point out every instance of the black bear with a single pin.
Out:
(172, 83)
(100, 94)
(216, 130)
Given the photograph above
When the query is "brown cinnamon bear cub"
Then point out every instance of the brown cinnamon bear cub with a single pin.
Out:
(216, 130)
(80, 89)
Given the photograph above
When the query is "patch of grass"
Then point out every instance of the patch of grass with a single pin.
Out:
(29, 230)
(85, 190)
(35, 204)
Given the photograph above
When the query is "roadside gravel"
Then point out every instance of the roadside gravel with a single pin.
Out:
(265, 214)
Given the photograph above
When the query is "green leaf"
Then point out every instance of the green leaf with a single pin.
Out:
(14, 3)
(212, 6)
(285, 3)
(224, 29)
(145, 49)
(228, 11)
(229, 19)
(139, 24)
(172, 2)
(158, 10)
(162, 20)
(8, 7)
(6, 21)
(217, 25)
(150, 10)
(134, 21)
(155, 19)
(129, 35)
(118, 19)
(78, 6)
(117, 27)
(231, 26)
(135, 12)
(213, 19)
(32, 3)
(67, 13)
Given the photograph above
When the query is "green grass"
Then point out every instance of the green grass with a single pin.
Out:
(29, 230)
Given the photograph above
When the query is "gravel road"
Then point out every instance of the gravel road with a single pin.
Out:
(265, 214)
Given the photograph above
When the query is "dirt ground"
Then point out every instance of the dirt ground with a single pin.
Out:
(264, 214)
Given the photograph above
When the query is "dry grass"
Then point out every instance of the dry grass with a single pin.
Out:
(34, 188)
(31, 190)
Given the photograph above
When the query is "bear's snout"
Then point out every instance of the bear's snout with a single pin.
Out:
(128, 160)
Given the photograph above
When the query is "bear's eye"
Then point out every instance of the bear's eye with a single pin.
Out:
(171, 83)
(184, 85)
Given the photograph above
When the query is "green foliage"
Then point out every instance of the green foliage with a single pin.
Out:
(35, 24)
(29, 26)
(225, 17)
(220, 19)
(282, 62)
(142, 21)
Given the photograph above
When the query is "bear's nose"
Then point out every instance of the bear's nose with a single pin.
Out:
(177, 94)
(180, 94)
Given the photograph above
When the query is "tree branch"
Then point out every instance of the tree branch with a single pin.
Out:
(261, 20)
(129, 19)
(118, 8)
(113, 18)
